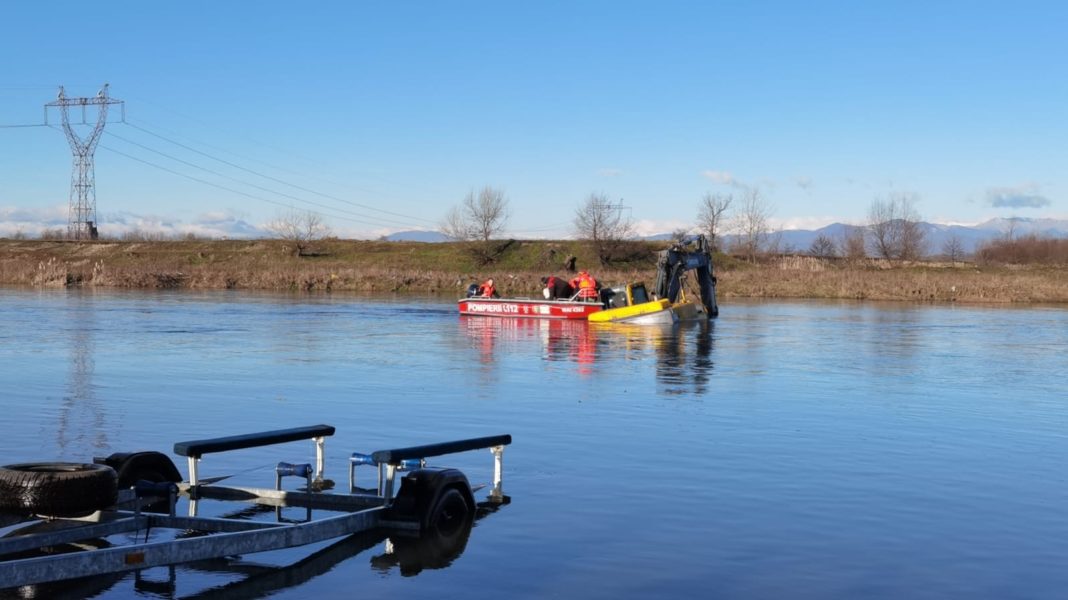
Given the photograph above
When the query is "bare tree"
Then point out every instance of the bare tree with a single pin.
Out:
(1010, 229)
(712, 215)
(823, 247)
(299, 228)
(680, 233)
(604, 225)
(896, 232)
(479, 221)
(853, 244)
(953, 248)
(751, 223)
(481, 217)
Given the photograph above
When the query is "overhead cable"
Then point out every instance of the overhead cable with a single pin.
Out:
(231, 190)
(381, 221)
(277, 180)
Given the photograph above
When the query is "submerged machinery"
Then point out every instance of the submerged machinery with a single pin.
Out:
(691, 253)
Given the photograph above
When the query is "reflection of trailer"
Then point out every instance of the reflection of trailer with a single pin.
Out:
(432, 501)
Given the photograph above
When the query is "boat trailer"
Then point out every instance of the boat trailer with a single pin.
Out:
(431, 501)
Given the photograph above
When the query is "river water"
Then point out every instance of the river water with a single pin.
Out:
(787, 449)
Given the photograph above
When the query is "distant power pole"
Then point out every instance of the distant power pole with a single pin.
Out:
(81, 217)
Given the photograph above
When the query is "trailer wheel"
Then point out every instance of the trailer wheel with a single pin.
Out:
(57, 489)
(132, 467)
(449, 514)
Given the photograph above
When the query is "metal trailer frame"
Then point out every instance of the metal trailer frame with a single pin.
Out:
(362, 512)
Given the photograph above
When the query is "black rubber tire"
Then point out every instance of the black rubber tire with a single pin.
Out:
(449, 514)
(57, 489)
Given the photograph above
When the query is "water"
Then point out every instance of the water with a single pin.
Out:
(789, 449)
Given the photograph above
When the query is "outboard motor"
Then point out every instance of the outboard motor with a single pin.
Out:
(472, 290)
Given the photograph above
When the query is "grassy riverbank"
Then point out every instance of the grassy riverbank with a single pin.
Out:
(411, 267)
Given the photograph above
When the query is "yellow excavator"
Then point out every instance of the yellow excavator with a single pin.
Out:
(668, 303)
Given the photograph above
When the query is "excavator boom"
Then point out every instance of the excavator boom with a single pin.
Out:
(691, 253)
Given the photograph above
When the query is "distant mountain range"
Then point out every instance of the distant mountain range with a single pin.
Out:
(936, 236)
(416, 236)
(800, 240)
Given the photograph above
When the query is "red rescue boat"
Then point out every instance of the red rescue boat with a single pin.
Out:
(528, 308)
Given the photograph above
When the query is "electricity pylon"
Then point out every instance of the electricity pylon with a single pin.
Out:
(81, 216)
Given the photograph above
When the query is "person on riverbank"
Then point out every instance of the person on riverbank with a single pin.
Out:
(556, 288)
(487, 289)
(586, 286)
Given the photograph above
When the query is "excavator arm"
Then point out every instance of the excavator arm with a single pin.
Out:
(687, 254)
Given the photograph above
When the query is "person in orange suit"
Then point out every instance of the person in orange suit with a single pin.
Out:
(586, 286)
(487, 290)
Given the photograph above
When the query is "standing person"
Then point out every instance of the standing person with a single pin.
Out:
(585, 285)
(487, 290)
(556, 288)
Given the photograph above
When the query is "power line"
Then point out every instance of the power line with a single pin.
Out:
(224, 188)
(260, 143)
(277, 180)
(380, 221)
(224, 150)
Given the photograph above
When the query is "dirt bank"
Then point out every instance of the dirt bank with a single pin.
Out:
(447, 269)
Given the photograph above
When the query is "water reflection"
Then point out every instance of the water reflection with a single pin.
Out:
(408, 555)
(897, 336)
(561, 340)
(681, 370)
(683, 352)
(81, 418)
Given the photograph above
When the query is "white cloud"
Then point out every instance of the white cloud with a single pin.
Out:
(805, 223)
(1025, 196)
(31, 221)
(646, 227)
(720, 177)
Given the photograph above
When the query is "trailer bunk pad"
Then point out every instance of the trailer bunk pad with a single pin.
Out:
(394, 457)
(198, 448)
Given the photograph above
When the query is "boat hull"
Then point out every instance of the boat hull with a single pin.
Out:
(528, 308)
(656, 312)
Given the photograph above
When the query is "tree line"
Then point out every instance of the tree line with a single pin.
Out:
(737, 223)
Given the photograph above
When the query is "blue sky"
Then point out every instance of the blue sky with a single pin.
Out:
(382, 116)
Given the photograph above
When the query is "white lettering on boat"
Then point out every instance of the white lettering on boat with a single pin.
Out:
(492, 308)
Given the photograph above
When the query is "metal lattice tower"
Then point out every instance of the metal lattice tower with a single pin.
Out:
(81, 219)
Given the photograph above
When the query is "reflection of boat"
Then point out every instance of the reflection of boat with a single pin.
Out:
(565, 340)
(528, 308)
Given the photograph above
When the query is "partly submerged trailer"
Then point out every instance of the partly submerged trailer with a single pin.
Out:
(48, 505)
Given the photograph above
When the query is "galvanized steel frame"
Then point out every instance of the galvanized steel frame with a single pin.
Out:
(229, 536)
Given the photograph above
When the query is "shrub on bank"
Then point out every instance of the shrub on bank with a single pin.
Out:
(1030, 249)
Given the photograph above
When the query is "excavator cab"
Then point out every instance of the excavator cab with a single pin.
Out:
(627, 295)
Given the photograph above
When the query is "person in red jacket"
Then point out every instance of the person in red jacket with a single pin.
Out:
(486, 290)
(556, 288)
(586, 286)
